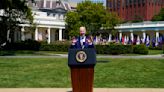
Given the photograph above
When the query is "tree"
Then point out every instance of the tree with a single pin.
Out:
(15, 12)
(137, 18)
(91, 15)
(73, 23)
(160, 16)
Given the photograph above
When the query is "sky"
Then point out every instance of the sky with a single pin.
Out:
(82, 0)
(76, 0)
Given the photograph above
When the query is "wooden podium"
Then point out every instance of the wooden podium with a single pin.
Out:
(81, 63)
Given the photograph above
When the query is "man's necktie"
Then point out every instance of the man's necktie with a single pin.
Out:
(82, 45)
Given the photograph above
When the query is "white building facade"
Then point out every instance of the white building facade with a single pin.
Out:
(49, 21)
(49, 16)
(144, 32)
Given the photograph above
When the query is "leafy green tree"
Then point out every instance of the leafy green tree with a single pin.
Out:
(137, 18)
(72, 23)
(91, 15)
(160, 16)
(15, 12)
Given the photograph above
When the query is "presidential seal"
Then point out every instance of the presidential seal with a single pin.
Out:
(81, 56)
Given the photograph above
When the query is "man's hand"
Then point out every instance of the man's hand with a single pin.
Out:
(74, 41)
(89, 41)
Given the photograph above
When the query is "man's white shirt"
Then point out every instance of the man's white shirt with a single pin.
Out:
(82, 40)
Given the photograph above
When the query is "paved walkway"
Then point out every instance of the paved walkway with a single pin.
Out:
(69, 90)
(99, 56)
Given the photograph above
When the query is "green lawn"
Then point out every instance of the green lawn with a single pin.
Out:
(54, 72)
(151, 52)
(154, 52)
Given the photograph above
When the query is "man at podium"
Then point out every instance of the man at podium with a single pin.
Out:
(81, 60)
(82, 41)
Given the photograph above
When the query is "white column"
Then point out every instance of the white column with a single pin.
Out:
(51, 4)
(132, 36)
(138, 40)
(144, 36)
(36, 34)
(22, 34)
(120, 36)
(44, 4)
(125, 40)
(60, 34)
(49, 35)
(157, 38)
(110, 38)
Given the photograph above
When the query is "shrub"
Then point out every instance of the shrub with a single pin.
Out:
(155, 48)
(100, 49)
(3, 53)
(61, 43)
(163, 48)
(23, 45)
(140, 49)
(114, 49)
(51, 47)
(57, 43)
(1, 48)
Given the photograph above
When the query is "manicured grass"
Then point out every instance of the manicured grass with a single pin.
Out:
(155, 52)
(54, 72)
(34, 73)
(146, 73)
(151, 52)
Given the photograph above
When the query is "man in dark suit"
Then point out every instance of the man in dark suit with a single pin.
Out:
(82, 41)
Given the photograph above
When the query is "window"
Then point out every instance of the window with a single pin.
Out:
(130, 2)
(53, 15)
(48, 4)
(61, 16)
(48, 14)
(56, 16)
(135, 1)
(127, 1)
(118, 4)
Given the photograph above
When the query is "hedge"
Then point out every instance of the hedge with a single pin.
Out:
(155, 48)
(114, 49)
(140, 49)
(102, 49)
(51, 47)
(23, 45)
(163, 49)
